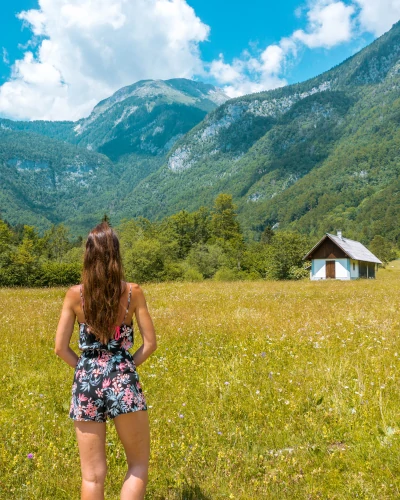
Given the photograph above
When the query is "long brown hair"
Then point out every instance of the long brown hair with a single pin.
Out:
(102, 281)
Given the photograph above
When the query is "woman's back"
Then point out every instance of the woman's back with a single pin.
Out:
(106, 383)
(123, 333)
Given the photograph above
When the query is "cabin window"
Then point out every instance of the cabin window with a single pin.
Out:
(354, 266)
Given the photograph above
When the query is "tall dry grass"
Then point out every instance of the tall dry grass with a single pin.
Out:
(258, 390)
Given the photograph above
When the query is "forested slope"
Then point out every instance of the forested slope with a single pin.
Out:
(308, 156)
(312, 157)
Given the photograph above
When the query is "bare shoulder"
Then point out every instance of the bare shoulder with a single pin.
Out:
(137, 292)
(136, 289)
(73, 293)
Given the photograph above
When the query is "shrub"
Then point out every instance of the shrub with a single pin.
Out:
(192, 274)
(226, 274)
(249, 275)
(298, 273)
(206, 258)
(172, 272)
(59, 274)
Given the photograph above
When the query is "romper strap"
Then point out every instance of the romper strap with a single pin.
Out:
(82, 301)
(129, 303)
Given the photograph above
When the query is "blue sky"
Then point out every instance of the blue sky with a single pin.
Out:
(61, 57)
(264, 23)
(12, 33)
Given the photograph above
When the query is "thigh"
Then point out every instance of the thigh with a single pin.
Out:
(91, 438)
(134, 433)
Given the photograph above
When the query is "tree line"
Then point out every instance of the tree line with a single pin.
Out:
(187, 246)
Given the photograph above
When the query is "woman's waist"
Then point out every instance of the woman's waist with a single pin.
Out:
(105, 362)
(104, 352)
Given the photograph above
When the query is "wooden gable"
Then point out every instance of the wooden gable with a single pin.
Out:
(327, 249)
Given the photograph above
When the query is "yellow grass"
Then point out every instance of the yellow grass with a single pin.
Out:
(281, 390)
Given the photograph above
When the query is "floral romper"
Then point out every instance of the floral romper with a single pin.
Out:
(106, 383)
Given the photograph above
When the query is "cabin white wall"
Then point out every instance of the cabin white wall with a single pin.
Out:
(318, 269)
(356, 272)
(341, 269)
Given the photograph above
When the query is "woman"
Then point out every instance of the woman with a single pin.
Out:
(106, 384)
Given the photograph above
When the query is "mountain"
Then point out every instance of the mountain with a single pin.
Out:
(45, 181)
(63, 171)
(315, 156)
(145, 118)
(309, 156)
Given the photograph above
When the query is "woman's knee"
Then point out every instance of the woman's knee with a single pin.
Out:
(140, 471)
(96, 475)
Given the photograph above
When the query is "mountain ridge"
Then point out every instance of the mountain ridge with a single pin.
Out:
(189, 164)
(138, 147)
(278, 152)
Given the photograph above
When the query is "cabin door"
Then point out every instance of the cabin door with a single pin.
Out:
(330, 269)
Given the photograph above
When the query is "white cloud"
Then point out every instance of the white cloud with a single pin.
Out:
(378, 16)
(5, 57)
(82, 51)
(329, 22)
(250, 74)
(88, 49)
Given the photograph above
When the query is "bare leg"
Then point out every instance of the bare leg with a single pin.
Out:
(133, 430)
(91, 438)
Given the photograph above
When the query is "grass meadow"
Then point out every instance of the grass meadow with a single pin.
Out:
(258, 390)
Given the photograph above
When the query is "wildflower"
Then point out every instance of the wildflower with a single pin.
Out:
(257, 392)
(219, 433)
(226, 383)
(30, 455)
(181, 416)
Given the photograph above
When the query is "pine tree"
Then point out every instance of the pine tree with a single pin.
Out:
(106, 218)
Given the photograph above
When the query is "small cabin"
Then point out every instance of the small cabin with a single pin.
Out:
(336, 257)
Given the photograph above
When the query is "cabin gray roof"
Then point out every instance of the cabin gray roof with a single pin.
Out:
(354, 249)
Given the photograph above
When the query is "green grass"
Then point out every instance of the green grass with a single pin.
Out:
(287, 390)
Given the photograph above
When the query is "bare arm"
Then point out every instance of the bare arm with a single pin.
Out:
(64, 331)
(146, 328)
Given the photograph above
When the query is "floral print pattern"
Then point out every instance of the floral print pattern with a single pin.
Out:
(106, 383)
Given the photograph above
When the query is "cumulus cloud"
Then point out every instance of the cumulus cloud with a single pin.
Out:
(87, 49)
(378, 16)
(81, 51)
(250, 74)
(329, 23)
